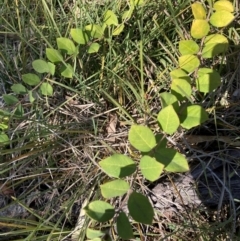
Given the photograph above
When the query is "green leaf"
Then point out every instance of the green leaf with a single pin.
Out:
(94, 30)
(207, 80)
(100, 211)
(172, 160)
(221, 18)
(192, 116)
(169, 99)
(118, 29)
(179, 74)
(54, 55)
(181, 88)
(140, 208)
(110, 18)
(67, 71)
(124, 228)
(118, 166)
(198, 11)
(127, 14)
(168, 120)
(188, 47)
(19, 111)
(67, 46)
(51, 67)
(223, 5)
(114, 188)
(3, 127)
(10, 99)
(46, 89)
(93, 48)
(79, 35)
(18, 89)
(91, 233)
(150, 168)
(188, 62)
(4, 140)
(31, 96)
(214, 44)
(141, 137)
(200, 28)
(31, 79)
(40, 66)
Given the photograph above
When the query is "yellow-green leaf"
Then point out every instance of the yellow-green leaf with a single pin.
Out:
(114, 188)
(198, 11)
(188, 62)
(192, 116)
(181, 88)
(223, 5)
(118, 165)
(214, 44)
(95, 31)
(118, 30)
(188, 47)
(221, 18)
(142, 138)
(172, 160)
(100, 211)
(168, 119)
(208, 80)
(200, 28)
(150, 168)
(110, 18)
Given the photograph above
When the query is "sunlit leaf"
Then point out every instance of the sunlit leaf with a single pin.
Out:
(118, 165)
(181, 88)
(192, 116)
(223, 5)
(114, 188)
(188, 62)
(188, 47)
(221, 18)
(208, 80)
(118, 30)
(110, 18)
(150, 168)
(67, 46)
(169, 99)
(198, 11)
(141, 137)
(172, 160)
(79, 35)
(93, 48)
(100, 211)
(168, 119)
(67, 71)
(92, 233)
(214, 44)
(200, 28)
(95, 31)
